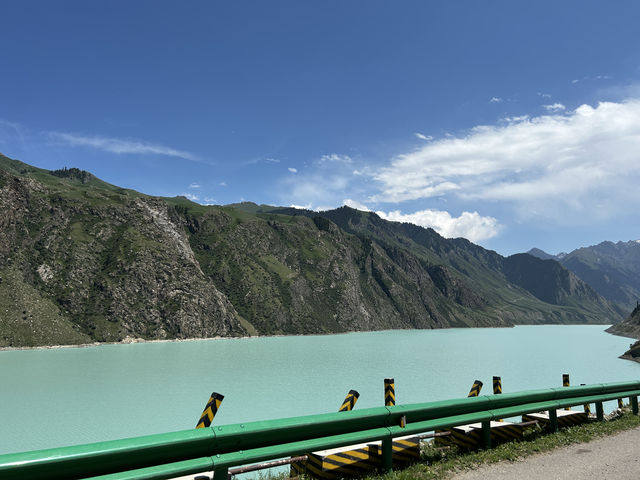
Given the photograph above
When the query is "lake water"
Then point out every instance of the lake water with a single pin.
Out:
(59, 397)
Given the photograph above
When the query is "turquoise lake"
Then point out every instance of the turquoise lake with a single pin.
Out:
(57, 397)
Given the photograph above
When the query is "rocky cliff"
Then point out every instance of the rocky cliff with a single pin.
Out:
(82, 260)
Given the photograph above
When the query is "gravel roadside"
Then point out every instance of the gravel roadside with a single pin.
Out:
(608, 458)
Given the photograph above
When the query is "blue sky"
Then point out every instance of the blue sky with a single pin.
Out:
(512, 124)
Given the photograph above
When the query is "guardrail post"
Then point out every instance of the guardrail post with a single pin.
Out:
(387, 443)
(387, 455)
(553, 420)
(587, 407)
(349, 401)
(599, 411)
(566, 383)
(634, 405)
(486, 434)
(475, 389)
(497, 390)
(210, 410)
(221, 474)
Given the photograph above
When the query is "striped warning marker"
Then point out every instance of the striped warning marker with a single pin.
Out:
(566, 383)
(389, 392)
(406, 450)
(497, 385)
(587, 407)
(349, 401)
(497, 389)
(462, 436)
(337, 463)
(210, 410)
(356, 460)
(475, 389)
(565, 419)
(465, 438)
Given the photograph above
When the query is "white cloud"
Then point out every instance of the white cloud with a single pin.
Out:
(426, 138)
(516, 119)
(554, 108)
(575, 80)
(322, 186)
(469, 225)
(544, 95)
(191, 196)
(334, 158)
(293, 170)
(495, 100)
(222, 184)
(272, 160)
(13, 125)
(301, 207)
(574, 167)
(120, 146)
(194, 185)
(355, 204)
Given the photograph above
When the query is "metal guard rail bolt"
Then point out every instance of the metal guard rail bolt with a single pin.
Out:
(169, 455)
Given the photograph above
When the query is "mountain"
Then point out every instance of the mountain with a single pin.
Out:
(630, 327)
(82, 261)
(541, 254)
(612, 269)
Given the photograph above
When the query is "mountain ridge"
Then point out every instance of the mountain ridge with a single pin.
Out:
(612, 269)
(82, 260)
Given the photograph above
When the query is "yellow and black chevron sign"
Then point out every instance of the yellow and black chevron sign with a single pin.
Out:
(356, 462)
(620, 404)
(389, 392)
(506, 433)
(475, 390)
(406, 450)
(497, 389)
(210, 410)
(497, 385)
(566, 383)
(349, 401)
(571, 420)
(565, 419)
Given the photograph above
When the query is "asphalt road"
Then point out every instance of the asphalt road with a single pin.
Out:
(616, 457)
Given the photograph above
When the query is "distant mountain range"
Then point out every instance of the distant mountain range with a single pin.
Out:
(612, 269)
(83, 261)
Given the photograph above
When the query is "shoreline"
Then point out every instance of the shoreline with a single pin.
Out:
(128, 341)
(134, 340)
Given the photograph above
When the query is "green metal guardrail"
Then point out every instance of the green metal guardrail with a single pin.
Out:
(217, 448)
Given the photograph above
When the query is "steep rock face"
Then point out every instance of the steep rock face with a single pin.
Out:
(518, 289)
(630, 327)
(306, 275)
(113, 264)
(82, 260)
(612, 269)
(546, 279)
